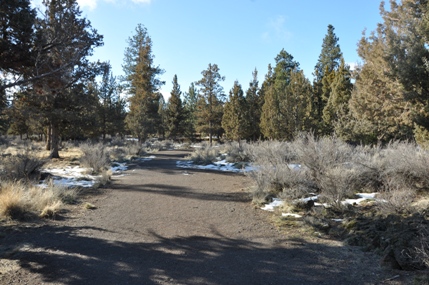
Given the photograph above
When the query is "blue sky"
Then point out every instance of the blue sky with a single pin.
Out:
(237, 35)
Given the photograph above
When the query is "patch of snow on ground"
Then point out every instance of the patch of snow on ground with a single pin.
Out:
(275, 203)
(119, 167)
(362, 197)
(291, 215)
(294, 166)
(146, 158)
(221, 165)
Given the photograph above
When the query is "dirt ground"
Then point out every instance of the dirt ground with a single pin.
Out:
(165, 225)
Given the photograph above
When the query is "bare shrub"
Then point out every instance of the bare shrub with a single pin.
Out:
(204, 155)
(236, 151)
(133, 148)
(273, 172)
(95, 156)
(395, 200)
(17, 167)
(404, 164)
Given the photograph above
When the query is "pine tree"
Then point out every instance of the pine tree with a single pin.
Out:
(17, 20)
(327, 64)
(235, 120)
(64, 41)
(276, 98)
(254, 105)
(143, 85)
(112, 107)
(190, 107)
(175, 112)
(210, 102)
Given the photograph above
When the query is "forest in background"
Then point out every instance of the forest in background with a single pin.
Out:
(50, 90)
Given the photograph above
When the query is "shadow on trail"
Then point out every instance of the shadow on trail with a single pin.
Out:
(184, 192)
(61, 254)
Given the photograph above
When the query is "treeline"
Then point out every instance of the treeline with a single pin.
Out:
(55, 92)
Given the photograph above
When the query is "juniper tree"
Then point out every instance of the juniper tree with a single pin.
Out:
(210, 102)
(143, 85)
(175, 112)
(235, 120)
(405, 28)
(377, 107)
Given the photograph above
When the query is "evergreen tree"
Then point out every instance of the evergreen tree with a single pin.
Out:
(254, 105)
(327, 64)
(64, 41)
(17, 20)
(210, 102)
(175, 112)
(276, 98)
(190, 107)
(377, 107)
(405, 28)
(143, 86)
(112, 106)
(235, 120)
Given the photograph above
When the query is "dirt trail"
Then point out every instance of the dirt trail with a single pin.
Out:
(166, 225)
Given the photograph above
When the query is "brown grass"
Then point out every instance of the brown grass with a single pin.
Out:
(19, 200)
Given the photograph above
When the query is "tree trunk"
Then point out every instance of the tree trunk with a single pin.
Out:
(48, 138)
(210, 133)
(55, 142)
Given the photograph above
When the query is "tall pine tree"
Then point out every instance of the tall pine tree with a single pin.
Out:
(175, 112)
(190, 107)
(143, 84)
(277, 101)
(210, 102)
(327, 64)
(235, 120)
(254, 106)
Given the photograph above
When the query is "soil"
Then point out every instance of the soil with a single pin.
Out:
(165, 225)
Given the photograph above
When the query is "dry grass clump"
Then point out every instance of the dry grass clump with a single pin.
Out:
(20, 201)
(95, 156)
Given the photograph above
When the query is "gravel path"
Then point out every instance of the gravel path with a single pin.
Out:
(166, 225)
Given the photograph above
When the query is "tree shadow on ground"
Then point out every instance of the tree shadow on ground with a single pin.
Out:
(188, 193)
(63, 254)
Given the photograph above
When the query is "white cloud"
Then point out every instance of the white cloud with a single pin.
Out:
(142, 1)
(276, 29)
(90, 4)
